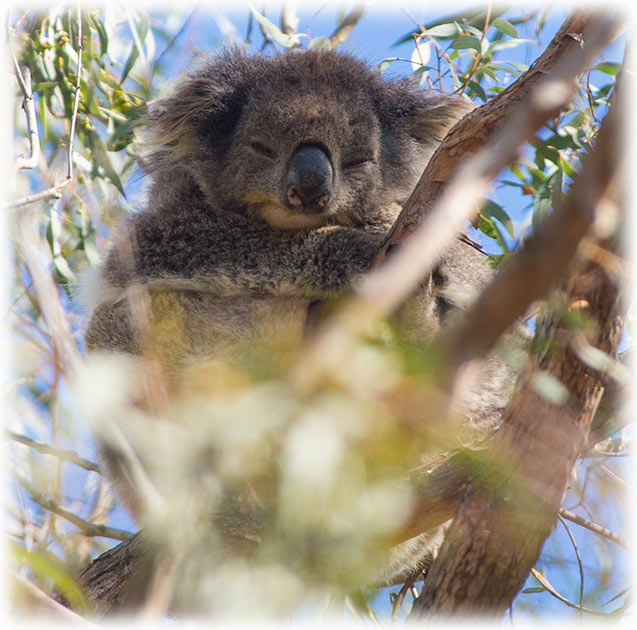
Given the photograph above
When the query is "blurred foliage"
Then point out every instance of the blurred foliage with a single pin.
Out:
(374, 435)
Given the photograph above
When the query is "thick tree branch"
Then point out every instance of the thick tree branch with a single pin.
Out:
(509, 509)
(545, 255)
(500, 128)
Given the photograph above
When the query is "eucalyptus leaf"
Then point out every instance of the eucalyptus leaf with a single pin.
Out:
(463, 42)
(504, 26)
(288, 41)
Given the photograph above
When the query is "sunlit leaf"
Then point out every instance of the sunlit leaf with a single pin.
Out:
(504, 26)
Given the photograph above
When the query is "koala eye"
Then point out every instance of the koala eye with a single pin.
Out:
(261, 149)
(357, 163)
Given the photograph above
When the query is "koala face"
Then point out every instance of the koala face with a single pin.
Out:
(304, 162)
(299, 140)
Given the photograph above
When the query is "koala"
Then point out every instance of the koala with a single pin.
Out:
(273, 183)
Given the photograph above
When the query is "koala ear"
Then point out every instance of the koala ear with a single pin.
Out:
(170, 125)
(431, 121)
(205, 105)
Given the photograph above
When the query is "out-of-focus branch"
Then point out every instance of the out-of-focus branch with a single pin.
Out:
(87, 528)
(41, 606)
(511, 506)
(346, 25)
(289, 19)
(61, 453)
(547, 254)
(538, 95)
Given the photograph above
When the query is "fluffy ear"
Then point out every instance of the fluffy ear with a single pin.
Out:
(202, 109)
(431, 121)
(169, 129)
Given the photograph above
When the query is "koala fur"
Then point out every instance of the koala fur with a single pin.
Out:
(274, 181)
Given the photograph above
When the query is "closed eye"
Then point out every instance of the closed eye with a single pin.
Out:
(261, 149)
(357, 163)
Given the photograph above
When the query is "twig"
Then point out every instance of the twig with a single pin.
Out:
(55, 192)
(87, 528)
(547, 585)
(398, 600)
(78, 92)
(579, 563)
(28, 105)
(61, 453)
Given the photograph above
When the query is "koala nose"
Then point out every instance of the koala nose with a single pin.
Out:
(308, 181)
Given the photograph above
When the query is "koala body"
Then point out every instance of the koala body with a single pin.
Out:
(274, 181)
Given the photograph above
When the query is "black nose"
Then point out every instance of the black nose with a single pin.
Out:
(308, 181)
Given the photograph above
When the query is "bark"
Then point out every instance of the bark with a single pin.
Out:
(107, 581)
(508, 509)
(507, 512)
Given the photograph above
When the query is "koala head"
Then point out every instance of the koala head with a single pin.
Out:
(298, 140)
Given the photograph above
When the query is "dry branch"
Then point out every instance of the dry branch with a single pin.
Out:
(28, 105)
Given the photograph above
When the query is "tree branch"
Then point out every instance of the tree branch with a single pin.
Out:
(28, 105)
(509, 509)
(61, 453)
(545, 89)
(86, 527)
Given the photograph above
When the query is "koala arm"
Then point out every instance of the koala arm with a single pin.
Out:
(225, 254)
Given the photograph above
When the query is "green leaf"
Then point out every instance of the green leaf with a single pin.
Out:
(508, 43)
(478, 90)
(102, 160)
(493, 210)
(45, 565)
(288, 41)
(102, 34)
(514, 69)
(142, 31)
(504, 26)
(444, 31)
(383, 64)
(475, 18)
(463, 42)
(491, 229)
(542, 203)
(608, 67)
